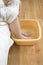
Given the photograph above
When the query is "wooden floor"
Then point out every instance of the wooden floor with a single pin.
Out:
(29, 55)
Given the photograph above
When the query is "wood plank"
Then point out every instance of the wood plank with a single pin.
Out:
(29, 55)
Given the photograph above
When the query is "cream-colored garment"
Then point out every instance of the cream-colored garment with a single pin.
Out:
(10, 12)
(5, 41)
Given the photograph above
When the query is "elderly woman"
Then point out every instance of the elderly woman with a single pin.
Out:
(6, 17)
(9, 23)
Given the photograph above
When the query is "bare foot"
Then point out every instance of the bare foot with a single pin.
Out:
(27, 34)
(22, 37)
(29, 37)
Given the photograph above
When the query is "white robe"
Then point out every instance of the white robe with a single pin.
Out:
(5, 41)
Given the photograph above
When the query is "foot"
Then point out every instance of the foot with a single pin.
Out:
(27, 34)
(25, 37)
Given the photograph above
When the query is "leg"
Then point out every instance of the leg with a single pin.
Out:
(16, 30)
(27, 34)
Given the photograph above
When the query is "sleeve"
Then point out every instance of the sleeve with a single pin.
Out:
(16, 3)
(13, 12)
(1, 3)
